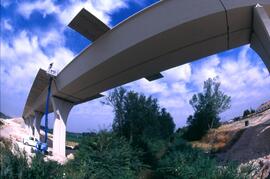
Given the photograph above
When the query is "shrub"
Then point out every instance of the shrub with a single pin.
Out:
(12, 166)
(16, 164)
(182, 161)
(41, 169)
(104, 156)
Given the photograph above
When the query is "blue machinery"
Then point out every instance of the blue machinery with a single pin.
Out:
(43, 147)
(47, 109)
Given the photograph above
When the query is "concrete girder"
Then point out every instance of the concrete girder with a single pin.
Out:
(39, 85)
(193, 29)
(92, 28)
(38, 117)
(260, 40)
(61, 111)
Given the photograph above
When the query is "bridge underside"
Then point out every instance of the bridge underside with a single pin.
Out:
(150, 42)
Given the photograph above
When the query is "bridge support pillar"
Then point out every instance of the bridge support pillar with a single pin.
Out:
(32, 126)
(38, 117)
(61, 110)
(260, 40)
(26, 121)
(29, 125)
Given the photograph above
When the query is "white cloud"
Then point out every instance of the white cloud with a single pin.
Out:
(6, 25)
(181, 73)
(209, 69)
(178, 87)
(101, 9)
(45, 7)
(108, 5)
(241, 77)
(174, 102)
(53, 37)
(26, 52)
(148, 88)
(22, 57)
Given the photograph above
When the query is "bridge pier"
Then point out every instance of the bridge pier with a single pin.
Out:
(260, 40)
(32, 126)
(61, 110)
(29, 125)
(38, 117)
(26, 122)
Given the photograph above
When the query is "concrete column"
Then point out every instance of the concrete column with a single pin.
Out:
(29, 125)
(38, 117)
(260, 40)
(26, 122)
(61, 110)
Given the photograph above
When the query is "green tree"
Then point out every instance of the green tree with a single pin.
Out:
(138, 117)
(248, 112)
(116, 99)
(252, 111)
(207, 106)
(142, 122)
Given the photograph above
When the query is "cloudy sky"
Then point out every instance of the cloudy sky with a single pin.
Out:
(35, 33)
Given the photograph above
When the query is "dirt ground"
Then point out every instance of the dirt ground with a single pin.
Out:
(15, 130)
(254, 142)
(224, 137)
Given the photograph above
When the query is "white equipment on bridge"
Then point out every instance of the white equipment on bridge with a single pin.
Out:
(52, 72)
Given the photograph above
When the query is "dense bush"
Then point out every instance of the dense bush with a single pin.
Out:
(182, 161)
(16, 164)
(12, 166)
(41, 169)
(104, 156)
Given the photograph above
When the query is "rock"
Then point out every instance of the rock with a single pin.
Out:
(70, 157)
(260, 167)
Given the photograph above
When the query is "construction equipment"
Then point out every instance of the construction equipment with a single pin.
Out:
(43, 147)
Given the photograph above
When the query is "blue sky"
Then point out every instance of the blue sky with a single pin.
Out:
(35, 33)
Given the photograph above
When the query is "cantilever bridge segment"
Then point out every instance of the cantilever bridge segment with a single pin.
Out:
(167, 34)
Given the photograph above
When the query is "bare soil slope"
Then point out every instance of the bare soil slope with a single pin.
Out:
(254, 143)
(224, 137)
(15, 130)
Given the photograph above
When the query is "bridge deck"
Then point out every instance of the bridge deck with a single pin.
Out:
(165, 35)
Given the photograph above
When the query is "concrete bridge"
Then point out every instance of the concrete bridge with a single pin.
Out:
(167, 34)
